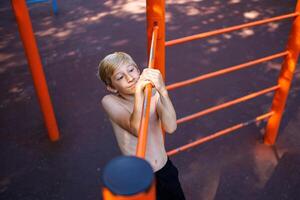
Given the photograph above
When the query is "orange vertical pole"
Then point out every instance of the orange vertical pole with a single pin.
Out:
(148, 195)
(33, 58)
(156, 16)
(284, 81)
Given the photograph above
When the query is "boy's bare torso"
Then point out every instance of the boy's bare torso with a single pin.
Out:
(155, 153)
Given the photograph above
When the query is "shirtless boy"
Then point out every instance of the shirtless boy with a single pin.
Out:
(122, 78)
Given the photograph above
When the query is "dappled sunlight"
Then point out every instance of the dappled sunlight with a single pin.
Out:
(121, 9)
(191, 11)
(17, 93)
(15, 89)
(11, 62)
(125, 8)
(63, 34)
(227, 36)
(212, 16)
(178, 2)
(5, 56)
(47, 32)
(213, 49)
(174, 28)
(6, 42)
(271, 66)
(213, 41)
(204, 22)
(194, 27)
(234, 1)
(95, 17)
(270, 94)
(246, 32)
(221, 100)
(273, 26)
(134, 7)
(71, 53)
(251, 14)
(120, 43)
(168, 16)
(220, 16)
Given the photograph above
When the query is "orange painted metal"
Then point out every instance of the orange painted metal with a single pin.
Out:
(142, 138)
(34, 61)
(229, 29)
(284, 80)
(147, 195)
(156, 16)
(227, 104)
(224, 71)
(218, 134)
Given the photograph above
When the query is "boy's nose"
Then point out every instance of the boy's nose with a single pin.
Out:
(129, 78)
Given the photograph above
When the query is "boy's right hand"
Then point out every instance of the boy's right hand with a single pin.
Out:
(141, 84)
(155, 78)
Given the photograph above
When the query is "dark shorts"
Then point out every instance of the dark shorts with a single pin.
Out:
(167, 183)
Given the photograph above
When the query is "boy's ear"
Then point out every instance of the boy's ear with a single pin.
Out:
(111, 89)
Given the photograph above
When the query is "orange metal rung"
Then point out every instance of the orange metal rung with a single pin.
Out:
(227, 104)
(142, 138)
(224, 71)
(218, 134)
(229, 29)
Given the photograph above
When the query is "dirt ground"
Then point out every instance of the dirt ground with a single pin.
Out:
(71, 44)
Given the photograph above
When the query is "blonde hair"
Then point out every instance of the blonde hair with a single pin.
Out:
(110, 63)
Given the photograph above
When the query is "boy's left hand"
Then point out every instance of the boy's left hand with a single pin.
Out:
(156, 79)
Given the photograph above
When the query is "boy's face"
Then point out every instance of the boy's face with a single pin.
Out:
(125, 78)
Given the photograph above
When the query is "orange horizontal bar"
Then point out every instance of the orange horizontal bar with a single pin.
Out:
(143, 129)
(218, 134)
(229, 29)
(227, 104)
(225, 71)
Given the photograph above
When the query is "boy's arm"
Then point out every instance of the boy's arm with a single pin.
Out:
(165, 107)
(166, 112)
(121, 116)
(135, 117)
(117, 113)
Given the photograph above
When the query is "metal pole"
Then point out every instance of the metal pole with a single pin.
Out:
(284, 81)
(35, 65)
(143, 129)
(156, 16)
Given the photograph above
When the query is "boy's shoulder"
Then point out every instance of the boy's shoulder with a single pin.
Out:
(113, 102)
(110, 99)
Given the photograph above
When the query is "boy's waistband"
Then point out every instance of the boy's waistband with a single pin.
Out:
(168, 165)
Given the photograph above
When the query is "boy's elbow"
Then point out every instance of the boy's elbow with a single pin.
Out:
(134, 128)
(171, 129)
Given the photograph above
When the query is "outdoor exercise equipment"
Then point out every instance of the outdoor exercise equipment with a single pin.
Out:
(35, 65)
(157, 43)
(133, 181)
